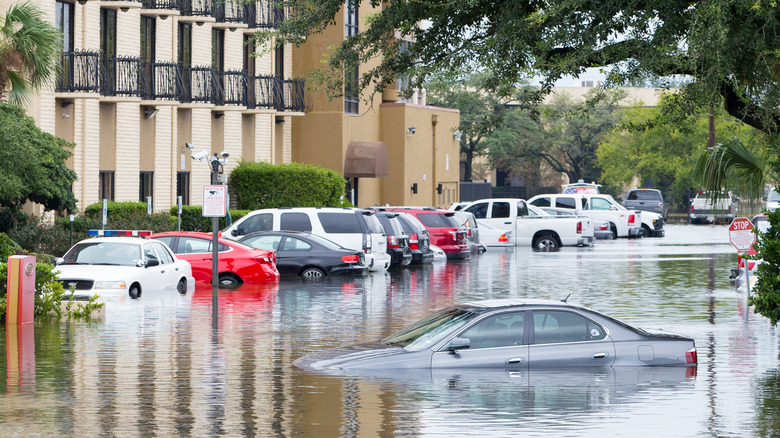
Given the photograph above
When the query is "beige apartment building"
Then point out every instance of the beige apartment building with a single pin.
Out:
(391, 150)
(141, 79)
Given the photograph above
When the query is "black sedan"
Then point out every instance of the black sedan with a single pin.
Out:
(308, 255)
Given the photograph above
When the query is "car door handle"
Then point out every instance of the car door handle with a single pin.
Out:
(508, 223)
(162, 271)
(515, 360)
(600, 355)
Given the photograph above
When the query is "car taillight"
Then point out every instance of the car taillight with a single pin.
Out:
(393, 242)
(367, 243)
(264, 260)
(631, 219)
(468, 231)
(579, 227)
(354, 258)
(604, 227)
(690, 356)
(503, 238)
(414, 241)
(729, 209)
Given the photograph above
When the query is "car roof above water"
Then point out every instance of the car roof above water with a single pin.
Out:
(510, 302)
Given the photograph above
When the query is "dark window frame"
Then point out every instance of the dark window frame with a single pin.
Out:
(146, 185)
(106, 185)
(351, 77)
(183, 187)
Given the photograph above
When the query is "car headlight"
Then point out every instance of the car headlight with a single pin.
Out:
(110, 285)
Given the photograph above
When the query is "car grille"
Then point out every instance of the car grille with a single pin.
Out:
(79, 284)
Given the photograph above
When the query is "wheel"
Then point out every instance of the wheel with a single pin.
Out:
(614, 230)
(645, 231)
(312, 273)
(181, 287)
(228, 280)
(135, 291)
(545, 242)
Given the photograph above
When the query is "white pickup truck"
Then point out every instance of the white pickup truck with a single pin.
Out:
(706, 209)
(624, 223)
(531, 226)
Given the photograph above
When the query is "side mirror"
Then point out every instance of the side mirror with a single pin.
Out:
(152, 262)
(459, 344)
(234, 232)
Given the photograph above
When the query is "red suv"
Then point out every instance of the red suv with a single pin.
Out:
(443, 229)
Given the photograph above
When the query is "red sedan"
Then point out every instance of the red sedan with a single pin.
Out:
(238, 263)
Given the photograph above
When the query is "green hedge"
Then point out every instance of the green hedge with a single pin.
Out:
(192, 218)
(264, 185)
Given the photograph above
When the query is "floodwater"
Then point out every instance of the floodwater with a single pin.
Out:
(156, 366)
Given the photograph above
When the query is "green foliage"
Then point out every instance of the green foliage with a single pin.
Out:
(192, 218)
(766, 293)
(30, 47)
(38, 173)
(115, 210)
(725, 49)
(263, 185)
(8, 247)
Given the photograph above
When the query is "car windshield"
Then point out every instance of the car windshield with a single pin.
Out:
(103, 253)
(773, 196)
(427, 332)
(644, 195)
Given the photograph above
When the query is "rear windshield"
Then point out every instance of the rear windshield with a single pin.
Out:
(391, 224)
(340, 223)
(644, 195)
(374, 227)
(436, 220)
(410, 224)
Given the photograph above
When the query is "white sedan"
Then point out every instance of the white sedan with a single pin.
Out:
(122, 266)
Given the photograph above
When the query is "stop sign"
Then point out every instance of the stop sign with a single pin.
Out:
(741, 234)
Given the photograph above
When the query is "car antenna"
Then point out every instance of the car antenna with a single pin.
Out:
(567, 297)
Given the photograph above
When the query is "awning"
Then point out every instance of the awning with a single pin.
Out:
(366, 160)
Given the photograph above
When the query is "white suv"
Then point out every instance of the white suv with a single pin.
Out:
(624, 223)
(349, 227)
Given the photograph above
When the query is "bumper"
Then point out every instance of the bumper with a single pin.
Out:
(378, 262)
(608, 235)
(349, 270)
(458, 255)
(635, 232)
(586, 241)
(399, 257)
(419, 257)
(657, 233)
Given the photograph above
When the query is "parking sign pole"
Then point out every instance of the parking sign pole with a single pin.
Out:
(215, 255)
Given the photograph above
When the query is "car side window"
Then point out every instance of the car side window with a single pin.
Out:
(189, 245)
(293, 244)
(149, 253)
(600, 204)
(168, 240)
(479, 210)
(295, 222)
(500, 210)
(496, 331)
(270, 243)
(541, 202)
(522, 210)
(258, 222)
(566, 202)
(556, 326)
(165, 256)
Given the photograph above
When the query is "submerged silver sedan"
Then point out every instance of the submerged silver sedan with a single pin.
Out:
(511, 334)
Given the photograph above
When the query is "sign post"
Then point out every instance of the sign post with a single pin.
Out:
(741, 235)
(214, 206)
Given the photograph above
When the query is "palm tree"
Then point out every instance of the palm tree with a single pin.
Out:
(29, 52)
(734, 165)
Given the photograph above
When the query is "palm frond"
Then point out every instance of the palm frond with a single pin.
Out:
(733, 166)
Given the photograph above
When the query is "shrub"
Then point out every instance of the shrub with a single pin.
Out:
(192, 218)
(264, 185)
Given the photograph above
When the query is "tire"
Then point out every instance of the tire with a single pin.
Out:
(646, 231)
(614, 230)
(312, 274)
(181, 287)
(228, 280)
(135, 291)
(546, 242)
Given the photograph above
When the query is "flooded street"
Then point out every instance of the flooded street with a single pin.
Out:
(155, 367)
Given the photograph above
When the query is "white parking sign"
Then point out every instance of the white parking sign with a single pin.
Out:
(214, 201)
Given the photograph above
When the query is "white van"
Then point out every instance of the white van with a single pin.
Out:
(349, 227)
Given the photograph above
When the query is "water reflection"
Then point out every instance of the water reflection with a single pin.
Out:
(158, 367)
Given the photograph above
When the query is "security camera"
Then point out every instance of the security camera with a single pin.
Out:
(200, 155)
(189, 146)
(224, 154)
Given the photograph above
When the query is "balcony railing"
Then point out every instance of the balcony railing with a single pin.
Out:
(232, 86)
(261, 92)
(161, 4)
(160, 80)
(229, 11)
(291, 95)
(80, 72)
(197, 7)
(120, 76)
(198, 85)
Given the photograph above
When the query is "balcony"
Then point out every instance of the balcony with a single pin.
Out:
(160, 81)
(198, 85)
(197, 8)
(80, 72)
(291, 95)
(230, 12)
(260, 93)
(231, 88)
(161, 8)
(120, 76)
(263, 14)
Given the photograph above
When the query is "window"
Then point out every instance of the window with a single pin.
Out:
(479, 210)
(271, 243)
(600, 204)
(148, 25)
(108, 49)
(351, 20)
(168, 240)
(644, 195)
(183, 187)
(185, 44)
(496, 331)
(64, 16)
(541, 202)
(189, 245)
(340, 222)
(566, 203)
(258, 222)
(436, 220)
(146, 186)
(107, 185)
(293, 244)
(500, 210)
(554, 326)
(522, 210)
(149, 253)
(165, 256)
(218, 49)
(295, 222)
